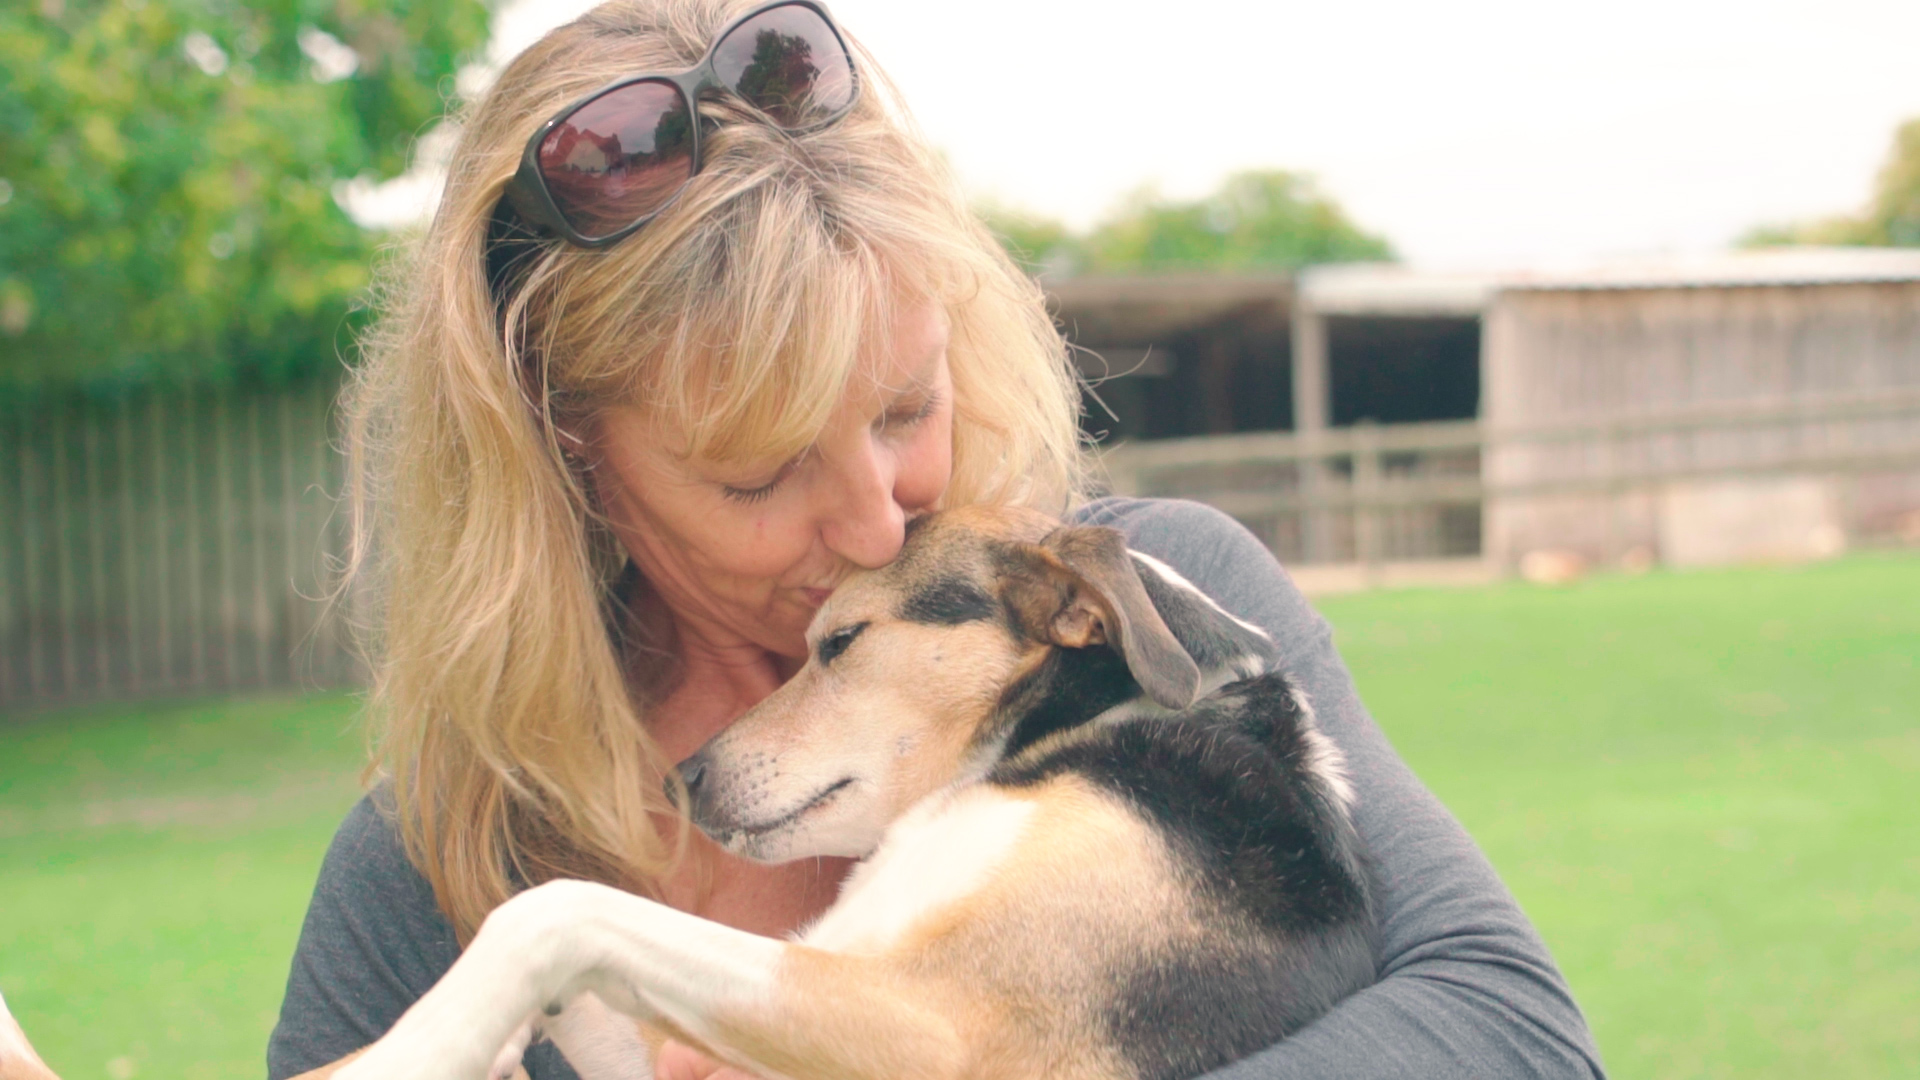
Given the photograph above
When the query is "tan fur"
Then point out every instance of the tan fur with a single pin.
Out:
(911, 700)
(1004, 982)
(998, 985)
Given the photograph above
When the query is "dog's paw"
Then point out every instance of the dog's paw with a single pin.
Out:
(506, 1064)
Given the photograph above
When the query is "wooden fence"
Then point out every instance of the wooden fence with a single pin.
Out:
(168, 543)
(1374, 497)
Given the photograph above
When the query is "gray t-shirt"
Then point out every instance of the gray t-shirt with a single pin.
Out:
(1467, 988)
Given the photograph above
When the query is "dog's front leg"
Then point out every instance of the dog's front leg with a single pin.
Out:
(533, 955)
(774, 1008)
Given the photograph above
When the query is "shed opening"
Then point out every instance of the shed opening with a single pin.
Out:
(1401, 370)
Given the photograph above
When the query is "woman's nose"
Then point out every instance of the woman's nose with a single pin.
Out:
(864, 524)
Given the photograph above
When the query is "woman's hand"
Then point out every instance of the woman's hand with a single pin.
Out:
(680, 1062)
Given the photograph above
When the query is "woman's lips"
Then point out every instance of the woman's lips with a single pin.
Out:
(816, 597)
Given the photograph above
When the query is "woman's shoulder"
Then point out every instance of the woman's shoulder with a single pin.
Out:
(1215, 552)
(1191, 532)
(1130, 514)
(373, 941)
(368, 878)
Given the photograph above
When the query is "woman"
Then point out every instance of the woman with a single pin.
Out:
(648, 389)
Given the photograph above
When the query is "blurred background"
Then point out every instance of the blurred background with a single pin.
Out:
(1570, 357)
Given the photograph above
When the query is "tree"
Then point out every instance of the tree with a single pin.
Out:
(167, 170)
(1256, 219)
(1040, 244)
(1892, 216)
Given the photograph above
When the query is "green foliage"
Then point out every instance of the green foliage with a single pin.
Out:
(167, 171)
(1892, 217)
(1042, 245)
(1256, 220)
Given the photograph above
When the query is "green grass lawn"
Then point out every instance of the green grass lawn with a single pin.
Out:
(154, 866)
(1702, 787)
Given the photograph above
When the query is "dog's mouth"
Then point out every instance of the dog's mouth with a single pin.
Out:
(736, 835)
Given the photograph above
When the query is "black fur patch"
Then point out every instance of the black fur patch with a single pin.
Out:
(1229, 785)
(1244, 1002)
(1067, 689)
(949, 601)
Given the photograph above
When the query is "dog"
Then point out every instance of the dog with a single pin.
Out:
(1102, 838)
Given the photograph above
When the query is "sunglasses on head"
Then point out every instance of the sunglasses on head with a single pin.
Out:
(608, 163)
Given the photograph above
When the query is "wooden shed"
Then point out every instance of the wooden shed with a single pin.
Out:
(1180, 355)
(1745, 406)
(1749, 405)
(1227, 388)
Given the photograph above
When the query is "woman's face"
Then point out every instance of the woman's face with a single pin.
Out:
(744, 554)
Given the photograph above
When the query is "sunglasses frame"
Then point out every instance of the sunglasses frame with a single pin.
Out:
(527, 193)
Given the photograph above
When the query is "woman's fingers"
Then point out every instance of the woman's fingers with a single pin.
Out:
(679, 1062)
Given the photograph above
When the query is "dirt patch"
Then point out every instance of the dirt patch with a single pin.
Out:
(150, 813)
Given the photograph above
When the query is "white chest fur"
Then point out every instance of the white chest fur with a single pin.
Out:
(937, 854)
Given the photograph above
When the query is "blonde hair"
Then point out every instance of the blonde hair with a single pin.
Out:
(510, 736)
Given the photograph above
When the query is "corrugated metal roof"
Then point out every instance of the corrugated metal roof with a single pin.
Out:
(1137, 309)
(1763, 266)
(1149, 307)
(1390, 289)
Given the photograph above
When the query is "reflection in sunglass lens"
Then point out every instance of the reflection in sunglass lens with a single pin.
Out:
(787, 63)
(619, 157)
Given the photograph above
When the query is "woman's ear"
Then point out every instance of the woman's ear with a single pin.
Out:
(574, 446)
(575, 431)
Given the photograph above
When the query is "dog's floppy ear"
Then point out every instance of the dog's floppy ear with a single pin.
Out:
(1078, 587)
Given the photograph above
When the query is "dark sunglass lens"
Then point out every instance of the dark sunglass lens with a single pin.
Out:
(788, 63)
(619, 157)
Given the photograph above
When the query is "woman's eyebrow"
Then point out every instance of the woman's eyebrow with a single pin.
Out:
(925, 371)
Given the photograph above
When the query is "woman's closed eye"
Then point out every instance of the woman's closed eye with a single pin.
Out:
(756, 493)
(898, 418)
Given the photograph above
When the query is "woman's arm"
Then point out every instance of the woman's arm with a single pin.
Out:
(1467, 987)
(373, 943)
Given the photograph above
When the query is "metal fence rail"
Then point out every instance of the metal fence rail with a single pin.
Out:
(168, 543)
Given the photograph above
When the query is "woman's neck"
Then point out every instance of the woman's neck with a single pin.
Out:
(714, 688)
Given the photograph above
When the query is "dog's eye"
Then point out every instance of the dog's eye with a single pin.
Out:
(836, 643)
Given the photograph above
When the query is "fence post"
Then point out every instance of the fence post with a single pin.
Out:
(1366, 496)
(90, 419)
(224, 538)
(63, 542)
(129, 523)
(162, 561)
(290, 639)
(257, 515)
(10, 615)
(1310, 409)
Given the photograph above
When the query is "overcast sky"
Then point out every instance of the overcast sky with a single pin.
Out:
(1473, 132)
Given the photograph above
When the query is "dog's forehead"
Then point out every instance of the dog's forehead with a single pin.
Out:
(975, 526)
(945, 574)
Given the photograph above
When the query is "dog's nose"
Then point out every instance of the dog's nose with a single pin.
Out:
(692, 771)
